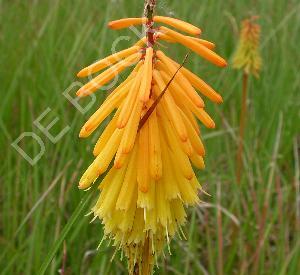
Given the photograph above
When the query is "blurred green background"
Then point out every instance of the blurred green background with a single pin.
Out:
(251, 228)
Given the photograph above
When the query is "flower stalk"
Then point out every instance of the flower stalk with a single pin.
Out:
(243, 117)
(247, 58)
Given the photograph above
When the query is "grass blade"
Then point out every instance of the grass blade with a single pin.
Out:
(76, 214)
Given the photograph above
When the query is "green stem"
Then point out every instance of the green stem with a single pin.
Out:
(239, 165)
(76, 214)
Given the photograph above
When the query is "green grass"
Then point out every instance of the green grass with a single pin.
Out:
(248, 229)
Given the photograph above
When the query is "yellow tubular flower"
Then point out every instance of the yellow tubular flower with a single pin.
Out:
(107, 75)
(198, 83)
(203, 42)
(147, 73)
(131, 128)
(207, 44)
(196, 47)
(143, 175)
(130, 100)
(152, 144)
(193, 136)
(178, 24)
(198, 161)
(106, 108)
(110, 60)
(103, 139)
(180, 83)
(177, 153)
(155, 165)
(126, 22)
(128, 188)
(170, 106)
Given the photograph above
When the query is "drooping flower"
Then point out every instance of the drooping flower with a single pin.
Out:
(153, 141)
(247, 55)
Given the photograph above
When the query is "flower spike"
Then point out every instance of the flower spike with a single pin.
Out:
(148, 151)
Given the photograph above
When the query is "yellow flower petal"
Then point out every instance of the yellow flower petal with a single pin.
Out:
(203, 87)
(170, 39)
(197, 161)
(193, 136)
(108, 75)
(141, 42)
(206, 43)
(108, 61)
(162, 206)
(147, 76)
(196, 47)
(180, 79)
(170, 105)
(102, 161)
(168, 180)
(178, 24)
(180, 93)
(130, 99)
(176, 152)
(204, 118)
(143, 175)
(106, 134)
(129, 186)
(155, 161)
(107, 207)
(126, 22)
(131, 128)
(105, 109)
(187, 192)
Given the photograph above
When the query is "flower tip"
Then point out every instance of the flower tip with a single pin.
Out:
(198, 33)
(83, 133)
(201, 152)
(126, 150)
(219, 99)
(157, 177)
(200, 104)
(222, 63)
(111, 24)
(117, 165)
(83, 185)
(79, 93)
(183, 137)
(121, 125)
(212, 125)
(190, 177)
(81, 73)
(144, 99)
(144, 188)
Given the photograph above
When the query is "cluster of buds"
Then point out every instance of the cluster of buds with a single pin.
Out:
(152, 143)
